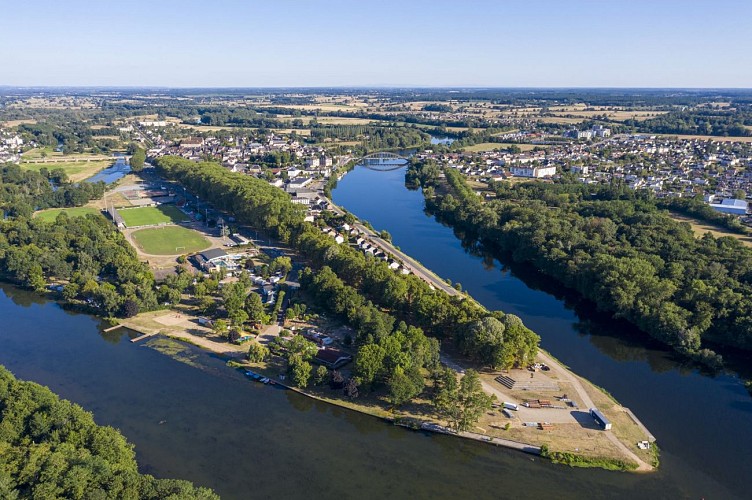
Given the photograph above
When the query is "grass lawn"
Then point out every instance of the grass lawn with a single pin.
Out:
(51, 214)
(149, 216)
(701, 227)
(169, 240)
(76, 170)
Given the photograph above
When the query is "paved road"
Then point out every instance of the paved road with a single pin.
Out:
(414, 266)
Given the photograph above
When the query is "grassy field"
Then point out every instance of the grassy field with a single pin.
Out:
(483, 146)
(76, 170)
(149, 216)
(51, 214)
(169, 240)
(700, 228)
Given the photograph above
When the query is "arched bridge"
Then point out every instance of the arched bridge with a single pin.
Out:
(383, 162)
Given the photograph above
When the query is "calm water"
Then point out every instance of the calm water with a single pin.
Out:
(702, 423)
(111, 174)
(206, 423)
(441, 140)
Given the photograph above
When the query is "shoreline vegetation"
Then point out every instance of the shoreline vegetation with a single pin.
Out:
(378, 408)
(52, 448)
(666, 293)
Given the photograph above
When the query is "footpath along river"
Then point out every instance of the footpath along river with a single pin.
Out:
(702, 423)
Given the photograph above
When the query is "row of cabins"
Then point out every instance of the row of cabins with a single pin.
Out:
(347, 233)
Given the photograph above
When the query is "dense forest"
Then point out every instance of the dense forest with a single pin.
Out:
(389, 311)
(97, 268)
(51, 448)
(373, 138)
(253, 201)
(615, 247)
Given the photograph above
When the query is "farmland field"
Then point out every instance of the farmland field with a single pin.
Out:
(169, 240)
(150, 216)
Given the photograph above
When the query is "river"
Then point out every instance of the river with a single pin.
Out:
(702, 423)
(115, 172)
(200, 420)
(191, 417)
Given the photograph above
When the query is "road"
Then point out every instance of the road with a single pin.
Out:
(411, 264)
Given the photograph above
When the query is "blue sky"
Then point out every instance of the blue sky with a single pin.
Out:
(558, 43)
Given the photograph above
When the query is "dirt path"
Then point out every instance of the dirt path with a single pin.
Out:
(642, 466)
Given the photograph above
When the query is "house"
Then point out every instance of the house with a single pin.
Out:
(301, 200)
(332, 358)
(600, 419)
(211, 260)
(192, 142)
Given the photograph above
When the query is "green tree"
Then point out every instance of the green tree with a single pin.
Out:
(368, 363)
(402, 388)
(321, 375)
(138, 157)
(300, 370)
(220, 327)
(281, 263)
(255, 309)
(484, 341)
(461, 403)
(257, 352)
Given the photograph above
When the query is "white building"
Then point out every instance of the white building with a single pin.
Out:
(731, 206)
(533, 172)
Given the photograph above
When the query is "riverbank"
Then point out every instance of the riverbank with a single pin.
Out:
(561, 431)
(571, 436)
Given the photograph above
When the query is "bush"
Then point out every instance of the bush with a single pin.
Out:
(257, 352)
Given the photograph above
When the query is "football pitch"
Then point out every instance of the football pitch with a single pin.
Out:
(151, 216)
(169, 240)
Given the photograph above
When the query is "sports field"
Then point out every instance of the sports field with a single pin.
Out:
(169, 240)
(151, 216)
(51, 214)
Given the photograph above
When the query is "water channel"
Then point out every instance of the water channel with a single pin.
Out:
(194, 418)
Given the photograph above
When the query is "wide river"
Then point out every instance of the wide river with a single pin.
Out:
(202, 421)
(703, 424)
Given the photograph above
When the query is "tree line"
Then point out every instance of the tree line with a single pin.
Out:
(615, 247)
